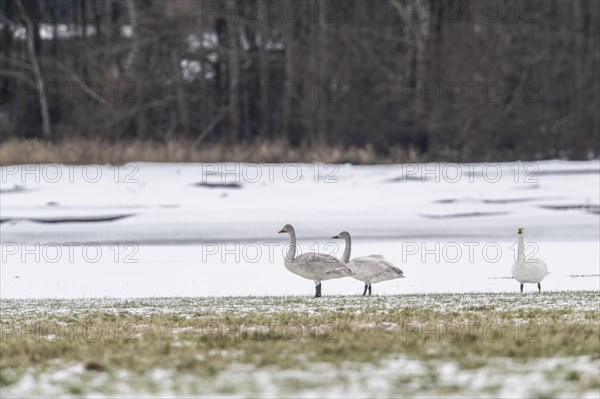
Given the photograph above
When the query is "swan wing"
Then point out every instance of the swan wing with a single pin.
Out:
(374, 268)
(387, 264)
(543, 266)
(322, 266)
(362, 268)
(322, 261)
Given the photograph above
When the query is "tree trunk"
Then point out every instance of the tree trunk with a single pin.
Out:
(182, 110)
(292, 83)
(235, 119)
(33, 57)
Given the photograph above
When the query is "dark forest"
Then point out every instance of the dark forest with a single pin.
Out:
(385, 74)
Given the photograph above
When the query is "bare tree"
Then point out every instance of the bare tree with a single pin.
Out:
(32, 34)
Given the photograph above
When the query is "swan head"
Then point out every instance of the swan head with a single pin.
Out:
(343, 234)
(288, 228)
(520, 230)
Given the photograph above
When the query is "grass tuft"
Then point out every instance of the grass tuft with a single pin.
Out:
(86, 151)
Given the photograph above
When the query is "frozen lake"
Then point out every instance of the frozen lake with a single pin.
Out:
(141, 230)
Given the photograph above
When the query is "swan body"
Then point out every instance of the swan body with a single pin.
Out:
(528, 270)
(531, 271)
(317, 267)
(374, 269)
(368, 269)
(313, 266)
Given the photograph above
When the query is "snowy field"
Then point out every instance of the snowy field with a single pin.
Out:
(165, 252)
(469, 345)
(140, 230)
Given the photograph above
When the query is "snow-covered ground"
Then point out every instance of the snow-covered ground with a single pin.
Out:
(400, 377)
(144, 229)
(435, 373)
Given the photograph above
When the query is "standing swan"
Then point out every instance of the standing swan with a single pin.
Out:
(368, 269)
(530, 270)
(313, 266)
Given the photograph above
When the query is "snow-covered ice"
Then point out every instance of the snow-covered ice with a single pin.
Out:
(145, 229)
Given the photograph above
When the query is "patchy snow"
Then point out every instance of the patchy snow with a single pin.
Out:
(467, 304)
(401, 376)
(190, 69)
(393, 376)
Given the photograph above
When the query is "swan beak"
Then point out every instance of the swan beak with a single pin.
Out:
(335, 237)
(281, 231)
(520, 230)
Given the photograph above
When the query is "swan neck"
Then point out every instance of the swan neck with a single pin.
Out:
(521, 248)
(346, 255)
(291, 254)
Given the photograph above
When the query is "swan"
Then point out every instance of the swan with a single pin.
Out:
(368, 269)
(530, 270)
(311, 265)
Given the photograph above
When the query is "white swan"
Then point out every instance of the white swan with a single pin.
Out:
(368, 269)
(528, 270)
(311, 265)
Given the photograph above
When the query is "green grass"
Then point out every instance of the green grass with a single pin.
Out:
(204, 337)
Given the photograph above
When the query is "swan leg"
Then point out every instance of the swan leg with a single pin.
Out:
(540, 287)
(521, 287)
(365, 291)
(369, 289)
(318, 290)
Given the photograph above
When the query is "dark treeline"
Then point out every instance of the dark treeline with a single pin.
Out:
(448, 79)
